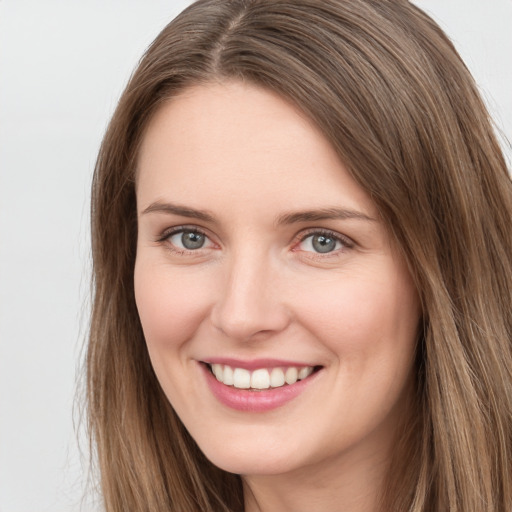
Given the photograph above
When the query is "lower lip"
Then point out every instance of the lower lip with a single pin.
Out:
(255, 401)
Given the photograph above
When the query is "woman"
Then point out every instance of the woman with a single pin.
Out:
(302, 277)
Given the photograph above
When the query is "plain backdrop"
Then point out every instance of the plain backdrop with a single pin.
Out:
(63, 65)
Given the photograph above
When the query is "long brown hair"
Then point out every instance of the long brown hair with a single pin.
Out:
(388, 90)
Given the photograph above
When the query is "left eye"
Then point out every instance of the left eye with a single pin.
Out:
(189, 240)
(321, 243)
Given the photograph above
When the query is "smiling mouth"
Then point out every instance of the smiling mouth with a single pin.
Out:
(262, 378)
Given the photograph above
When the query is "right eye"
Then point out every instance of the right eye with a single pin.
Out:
(184, 239)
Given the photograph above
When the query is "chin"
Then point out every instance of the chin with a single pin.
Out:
(252, 460)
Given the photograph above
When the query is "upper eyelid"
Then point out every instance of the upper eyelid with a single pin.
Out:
(300, 237)
(166, 233)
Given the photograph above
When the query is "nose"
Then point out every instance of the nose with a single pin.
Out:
(251, 302)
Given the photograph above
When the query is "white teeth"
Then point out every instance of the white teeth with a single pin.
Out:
(303, 372)
(262, 378)
(276, 378)
(241, 378)
(291, 375)
(217, 371)
(228, 376)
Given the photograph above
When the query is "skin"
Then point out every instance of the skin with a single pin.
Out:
(258, 289)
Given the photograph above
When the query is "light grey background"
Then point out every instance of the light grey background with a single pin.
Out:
(63, 64)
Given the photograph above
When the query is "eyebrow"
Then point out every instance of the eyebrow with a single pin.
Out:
(176, 209)
(323, 214)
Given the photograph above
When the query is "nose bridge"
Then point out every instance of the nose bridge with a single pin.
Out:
(249, 301)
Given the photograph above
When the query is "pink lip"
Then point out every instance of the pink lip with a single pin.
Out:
(255, 401)
(254, 364)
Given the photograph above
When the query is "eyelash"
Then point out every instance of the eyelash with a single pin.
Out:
(345, 242)
(167, 234)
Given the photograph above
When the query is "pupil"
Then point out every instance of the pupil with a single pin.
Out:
(191, 240)
(323, 243)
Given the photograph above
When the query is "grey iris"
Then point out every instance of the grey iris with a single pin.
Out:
(322, 243)
(191, 240)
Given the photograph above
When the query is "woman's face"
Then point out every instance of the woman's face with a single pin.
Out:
(260, 259)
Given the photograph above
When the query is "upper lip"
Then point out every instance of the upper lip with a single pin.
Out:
(254, 364)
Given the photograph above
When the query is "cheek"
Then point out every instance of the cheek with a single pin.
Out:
(370, 315)
(369, 324)
(170, 306)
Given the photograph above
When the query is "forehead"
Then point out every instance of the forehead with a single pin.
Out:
(245, 144)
